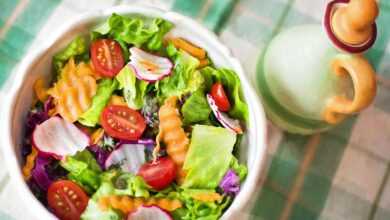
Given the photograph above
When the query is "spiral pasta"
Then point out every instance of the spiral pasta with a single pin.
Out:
(172, 134)
(127, 204)
(74, 91)
(30, 163)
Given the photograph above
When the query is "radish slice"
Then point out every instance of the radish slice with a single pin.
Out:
(130, 157)
(149, 67)
(330, 8)
(223, 118)
(58, 137)
(149, 213)
(149, 143)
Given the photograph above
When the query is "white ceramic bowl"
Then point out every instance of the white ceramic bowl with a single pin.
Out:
(18, 100)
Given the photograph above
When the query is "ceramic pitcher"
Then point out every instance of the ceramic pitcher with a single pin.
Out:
(314, 76)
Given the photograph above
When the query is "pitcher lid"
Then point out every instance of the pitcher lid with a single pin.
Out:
(350, 24)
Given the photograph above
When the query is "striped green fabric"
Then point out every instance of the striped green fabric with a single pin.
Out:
(213, 14)
(15, 39)
(341, 174)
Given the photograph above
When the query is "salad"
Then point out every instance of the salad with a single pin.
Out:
(135, 124)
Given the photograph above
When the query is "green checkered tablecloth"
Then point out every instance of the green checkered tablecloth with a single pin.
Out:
(341, 174)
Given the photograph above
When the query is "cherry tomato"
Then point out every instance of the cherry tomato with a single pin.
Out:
(122, 122)
(107, 57)
(220, 97)
(67, 199)
(158, 174)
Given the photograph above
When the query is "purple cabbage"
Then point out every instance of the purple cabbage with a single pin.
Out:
(46, 170)
(39, 173)
(230, 183)
(100, 154)
(37, 116)
(48, 105)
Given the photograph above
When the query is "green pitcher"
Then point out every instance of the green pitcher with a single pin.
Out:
(312, 77)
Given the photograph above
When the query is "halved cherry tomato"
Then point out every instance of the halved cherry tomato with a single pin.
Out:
(220, 97)
(107, 57)
(158, 174)
(122, 122)
(67, 199)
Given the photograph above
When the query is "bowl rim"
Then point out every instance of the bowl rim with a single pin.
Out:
(253, 180)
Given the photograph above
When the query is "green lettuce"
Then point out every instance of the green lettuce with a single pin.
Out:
(194, 209)
(93, 211)
(133, 89)
(77, 47)
(232, 85)
(128, 184)
(83, 169)
(208, 157)
(104, 91)
(240, 169)
(135, 31)
(195, 108)
(114, 183)
(185, 78)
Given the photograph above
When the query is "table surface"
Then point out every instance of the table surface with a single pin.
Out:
(340, 174)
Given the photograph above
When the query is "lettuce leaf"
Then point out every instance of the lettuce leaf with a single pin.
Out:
(135, 31)
(185, 77)
(131, 185)
(208, 156)
(232, 85)
(77, 47)
(83, 169)
(194, 209)
(240, 169)
(133, 89)
(195, 108)
(114, 183)
(105, 88)
(93, 211)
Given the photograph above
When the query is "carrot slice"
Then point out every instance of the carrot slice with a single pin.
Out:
(189, 48)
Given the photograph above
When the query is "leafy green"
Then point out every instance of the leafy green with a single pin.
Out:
(128, 184)
(195, 108)
(185, 77)
(133, 89)
(232, 85)
(171, 50)
(240, 169)
(93, 211)
(136, 31)
(77, 47)
(83, 169)
(208, 156)
(105, 88)
(114, 183)
(194, 209)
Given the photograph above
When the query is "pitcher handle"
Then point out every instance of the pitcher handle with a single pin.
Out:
(364, 84)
